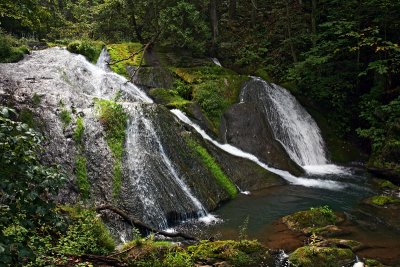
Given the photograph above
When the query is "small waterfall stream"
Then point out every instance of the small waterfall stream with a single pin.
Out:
(291, 124)
(328, 184)
(151, 171)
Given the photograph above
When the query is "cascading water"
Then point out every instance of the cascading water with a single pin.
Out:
(143, 147)
(69, 79)
(292, 126)
(328, 184)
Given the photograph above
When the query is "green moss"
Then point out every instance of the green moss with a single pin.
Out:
(311, 256)
(313, 218)
(79, 129)
(113, 118)
(213, 166)
(169, 98)
(123, 51)
(90, 49)
(242, 253)
(388, 185)
(82, 177)
(383, 200)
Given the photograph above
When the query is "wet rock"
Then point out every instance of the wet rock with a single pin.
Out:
(252, 134)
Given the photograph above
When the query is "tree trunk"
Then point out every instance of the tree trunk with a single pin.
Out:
(289, 32)
(142, 225)
(253, 13)
(232, 9)
(314, 22)
(214, 26)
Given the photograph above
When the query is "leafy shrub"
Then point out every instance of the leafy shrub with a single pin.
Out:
(10, 49)
(91, 50)
(86, 234)
(25, 188)
(178, 259)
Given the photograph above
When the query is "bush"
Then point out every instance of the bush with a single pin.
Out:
(86, 234)
(90, 49)
(10, 49)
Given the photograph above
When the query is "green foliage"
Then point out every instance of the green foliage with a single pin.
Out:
(213, 166)
(25, 188)
(178, 259)
(124, 51)
(184, 90)
(79, 130)
(113, 118)
(86, 234)
(10, 49)
(82, 177)
(183, 26)
(90, 49)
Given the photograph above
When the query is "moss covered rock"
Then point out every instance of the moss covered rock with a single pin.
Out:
(313, 220)
(382, 200)
(311, 256)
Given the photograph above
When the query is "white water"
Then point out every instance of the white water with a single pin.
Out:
(293, 127)
(144, 148)
(327, 184)
(216, 61)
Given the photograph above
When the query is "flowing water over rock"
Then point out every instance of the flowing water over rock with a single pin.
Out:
(151, 171)
(291, 124)
(308, 182)
(153, 188)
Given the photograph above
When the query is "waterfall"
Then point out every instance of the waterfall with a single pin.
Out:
(327, 184)
(151, 172)
(291, 124)
(103, 60)
(157, 194)
(216, 61)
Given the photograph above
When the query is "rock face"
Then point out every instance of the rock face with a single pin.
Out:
(163, 179)
(245, 127)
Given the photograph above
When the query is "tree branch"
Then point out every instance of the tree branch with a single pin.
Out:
(140, 224)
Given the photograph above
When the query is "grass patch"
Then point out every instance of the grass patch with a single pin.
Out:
(122, 51)
(90, 49)
(216, 170)
(82, 177)
(113, 118)
(383, 200)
